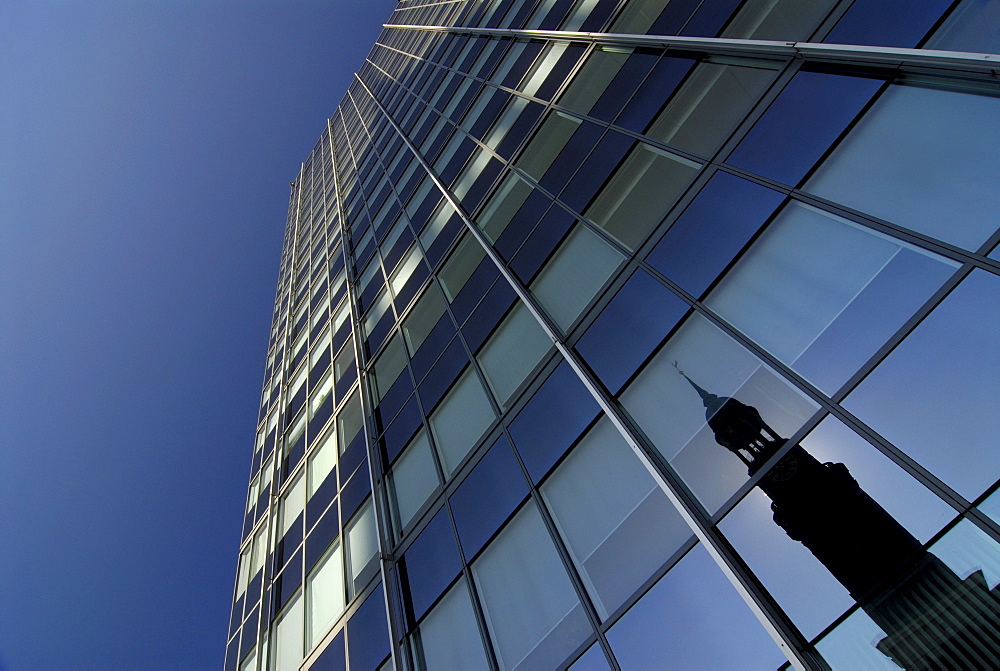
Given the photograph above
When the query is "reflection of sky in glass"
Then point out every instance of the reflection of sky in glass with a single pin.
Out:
(923, 158)
(592, 660)
(672, 415)
(971, 27)
(935, 395)
(991, 506)
(823, 294)
(692, 619)
(617, 524)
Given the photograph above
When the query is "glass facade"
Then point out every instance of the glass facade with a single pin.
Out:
(635, 334)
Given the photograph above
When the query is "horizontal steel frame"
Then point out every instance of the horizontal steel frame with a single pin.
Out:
(847, 53)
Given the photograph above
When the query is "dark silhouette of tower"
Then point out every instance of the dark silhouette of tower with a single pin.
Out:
(932, 618)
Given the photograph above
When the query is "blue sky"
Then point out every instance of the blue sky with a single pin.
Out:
(145, 150)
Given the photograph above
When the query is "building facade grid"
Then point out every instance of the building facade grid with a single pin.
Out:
(584, 311)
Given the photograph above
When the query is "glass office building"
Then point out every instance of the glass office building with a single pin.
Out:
(639, 334)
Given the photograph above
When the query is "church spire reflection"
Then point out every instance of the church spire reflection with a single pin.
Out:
(932, 618)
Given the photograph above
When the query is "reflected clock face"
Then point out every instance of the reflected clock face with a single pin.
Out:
(784, 469)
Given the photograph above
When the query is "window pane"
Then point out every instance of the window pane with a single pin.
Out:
(552, 420)
(413, 479)
(287, 648)
(777, 20)
(925, 159)
(467, 178)
(490, 493)
(322, 461)
(802, 123)
(422, 319)
(935, 395)
(673, 412)
(460, 419)
(381, 305)
(712, 101)
(505, 122)
(318, 350)
(341, 316)
(547, 143)
(292, 504)
(823, 294)
(835, 515)
(362, 545)
(460, 266)
(244, 573)
(321, 395)
(550, 55)
(449, 637)
(629, 329)
(963, 591)
(532, 611)
(405, 270)
(574, 275)
(640, 193)
(367, 633)
(726, 214)
(349, 422)
(692, 619)
(513, 350)
(971, 27)
(390, 364)
(259, 550)
(250, 663)
(638, 16)
(325, 592)
(618, 525)
(503, 205)
(431, 563)
(593, 78)
(436, 224)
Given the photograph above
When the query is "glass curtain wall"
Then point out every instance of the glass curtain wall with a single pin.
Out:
(596, 351)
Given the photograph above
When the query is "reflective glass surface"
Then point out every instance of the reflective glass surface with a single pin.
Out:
(950, 370)
(691, 619)
(532, 611)
(768, 270)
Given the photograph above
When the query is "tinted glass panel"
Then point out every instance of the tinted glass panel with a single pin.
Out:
(552, 421)
(533, 613)
(879, 22)
(692, 619)
(368, 633)
(431, 562)
(712, 230)
(618, 525)
(629, 328)
(640, 193)
(711, 102)
(574, 275)
(460, 420)
(449, 638)
(924, 159)
(823, 294)
(675, 409)
(949, 368)
(801, 124)
(513, 350)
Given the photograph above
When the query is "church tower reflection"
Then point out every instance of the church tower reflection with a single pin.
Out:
(932, 618)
